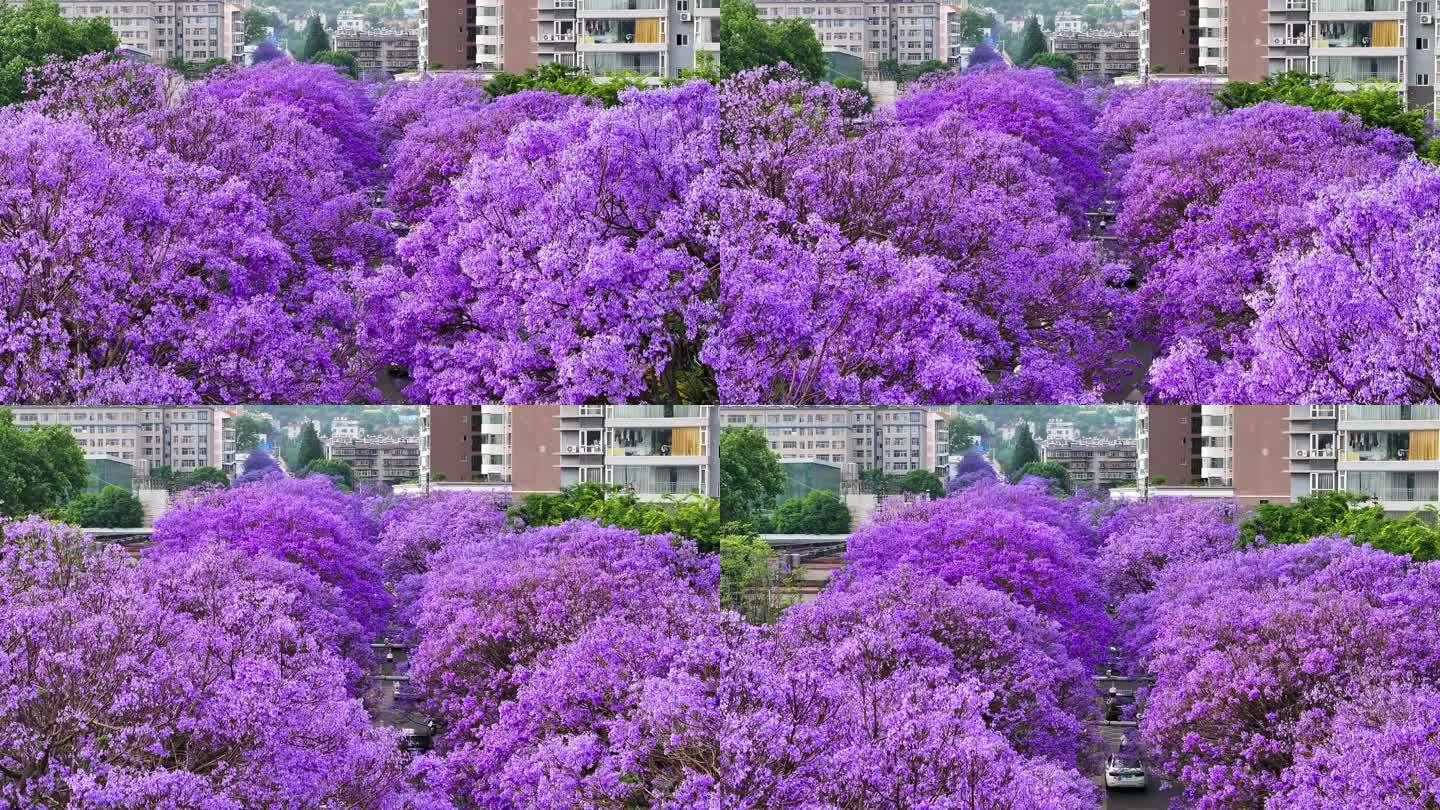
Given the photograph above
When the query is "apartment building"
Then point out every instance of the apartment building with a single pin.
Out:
(343, 427)
(183, 437)
(1093, 462)
(657, 38)
(894, 439)
(161, 30)
(1100, 54)
(465, 443)
(1167, 444)
(376, 460)
(651, 450)
(388, 52)
(839, 24)
(1351, 41)
(1390, 453)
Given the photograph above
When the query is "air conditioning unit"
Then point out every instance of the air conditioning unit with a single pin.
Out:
(570, 449)
(685, 17)
(1302, 453)
(1427, 19)
(1276, 41)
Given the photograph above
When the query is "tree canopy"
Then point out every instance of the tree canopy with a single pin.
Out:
(34, 31)
(819, 511)
(748, 42)
(112, 508)
(40, 467)
(751, 477)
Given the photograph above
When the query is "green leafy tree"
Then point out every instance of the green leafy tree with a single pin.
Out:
(1346, 514)
(567, 80)
(972, 25)
(309, 448)
(1032, 41)
(257, 25)
(249, 429)
(1058, 475)
(113, 508)
(961, 432)
(40, 468)
(751, 477)
(877, 482)
(820, 511)
(344, 61)
(1024, 450)
(920, 482)
(337, 469)
(744, 568)
(206, 476)
(748, 42)
(34, 31)
(1062, 63)
(1375, 105)
(692, 517)
(316, 40)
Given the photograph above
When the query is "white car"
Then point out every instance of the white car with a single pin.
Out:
(1124, 772)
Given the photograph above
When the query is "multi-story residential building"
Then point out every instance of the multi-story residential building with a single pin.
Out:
(465, 443)
(349, 22)
(1167, 442)
(1216, 434)
(381, 51)
(651, 450)
(1093, 462)
(1390, 453)
(162, 30)
(376, 460)
(893, 439)
(908, 33)
(1101, 54)
(1351, 41)
(183, 437)
(656, 38)
(343, 427)
(839, 24)
(1068, 22)
(1059, 430)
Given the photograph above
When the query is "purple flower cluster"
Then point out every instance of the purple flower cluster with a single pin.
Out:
(1289, 676)
(282, 233)
(198, 680)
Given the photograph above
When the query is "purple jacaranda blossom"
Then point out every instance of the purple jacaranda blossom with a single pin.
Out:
(1016, 539)
(128, 686)
(328, 534)
(1347, 314)
(564, 265)
(1209, 202)
(973, 469)
(919, 262)
(1255, 653)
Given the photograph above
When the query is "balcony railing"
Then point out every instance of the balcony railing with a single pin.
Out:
(1389, 413)
(1421, 494)
(1306, 452)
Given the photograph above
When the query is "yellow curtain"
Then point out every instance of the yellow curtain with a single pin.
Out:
(647, 31)
(1424, 445)
(1386, 34)
(685, 441)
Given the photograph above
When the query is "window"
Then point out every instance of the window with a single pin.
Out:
(682, 40)
(1422, 44)
(1422, 79)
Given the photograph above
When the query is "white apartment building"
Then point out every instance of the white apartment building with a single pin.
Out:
(343, 427)
(895, 439)
(184, 437)
(909, 33)
(659, 450)
(1059, 430)
(163, 30)
(1068, 22)
(375, 460)
(350, 22)
(1388, 452)
(1217, 460)
(839, 24)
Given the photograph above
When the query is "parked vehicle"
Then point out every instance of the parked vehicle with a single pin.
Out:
(1124, 772)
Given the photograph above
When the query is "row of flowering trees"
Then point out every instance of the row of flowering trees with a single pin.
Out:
(283, 233)
(1287, 676)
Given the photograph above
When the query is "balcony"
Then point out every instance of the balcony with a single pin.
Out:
(583, 450)
(1407, 495)
(1321, 453)
(1389, 413)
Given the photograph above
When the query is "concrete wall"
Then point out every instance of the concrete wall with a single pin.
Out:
(1260, 451)
(534, 448)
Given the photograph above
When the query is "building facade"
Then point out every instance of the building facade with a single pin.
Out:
(184, 437)
(464, 443)
(1351, 41)
(1390, 453)
(655, 38)
(893, 439)
(195, 32)
(908, 33)
(1167, 444)
(1093, 462)
(1100, 54)
(381, 51)
(377, 461)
